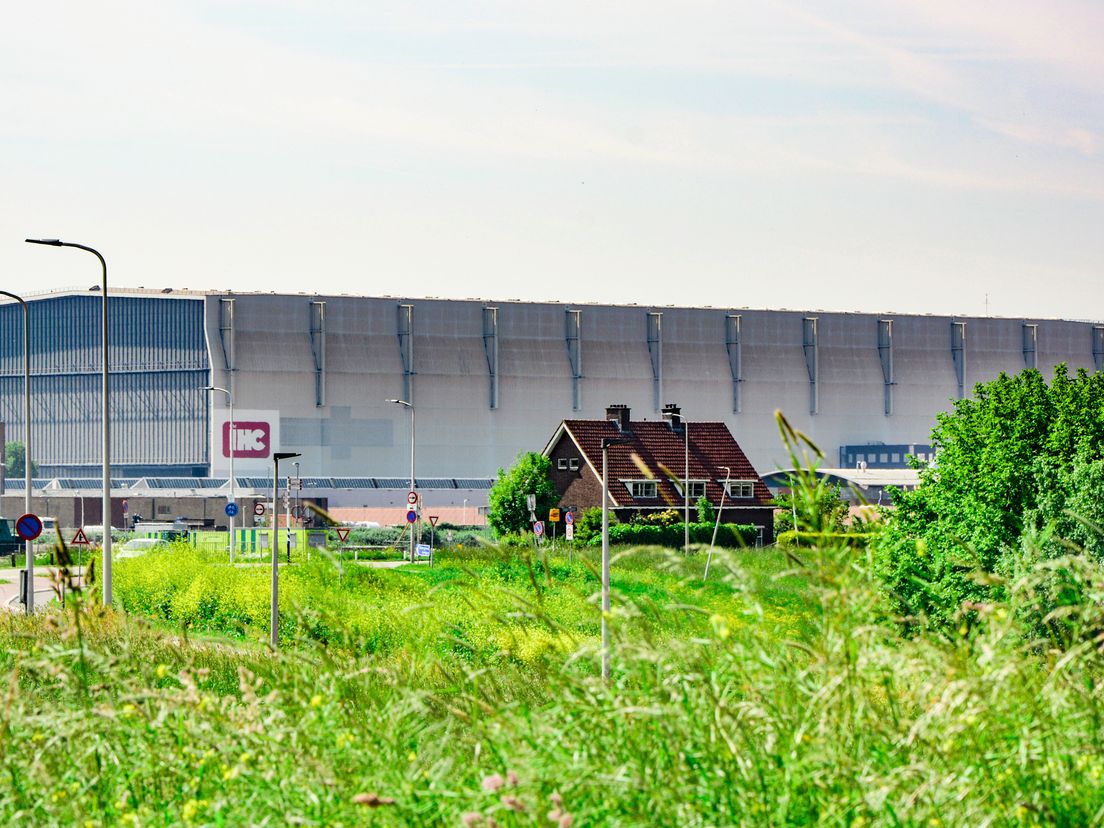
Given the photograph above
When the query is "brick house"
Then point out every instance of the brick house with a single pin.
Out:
(641, 468)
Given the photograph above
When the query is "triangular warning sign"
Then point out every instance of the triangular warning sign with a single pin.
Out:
(79, 539)
(433, 520)
(343, 534)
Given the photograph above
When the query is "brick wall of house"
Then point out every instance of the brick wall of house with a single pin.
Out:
(579, 488)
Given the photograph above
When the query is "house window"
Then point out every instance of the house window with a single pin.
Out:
(741, 488)
(697, 489)
(573, 464)
(896, 457)
(642, 488)
(883, 458)
(561, 464)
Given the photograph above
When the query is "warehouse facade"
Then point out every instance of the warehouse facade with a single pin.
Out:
(314, 374)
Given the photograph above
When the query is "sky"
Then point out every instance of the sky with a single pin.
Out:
(935, 156)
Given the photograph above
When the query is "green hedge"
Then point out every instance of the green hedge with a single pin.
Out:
(642, 534)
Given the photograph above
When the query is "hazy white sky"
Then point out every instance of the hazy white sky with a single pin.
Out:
(844, 154)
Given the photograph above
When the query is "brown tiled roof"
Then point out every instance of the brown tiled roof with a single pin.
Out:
(655, 444)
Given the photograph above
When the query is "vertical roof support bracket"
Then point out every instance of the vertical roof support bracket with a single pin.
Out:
(572, 325)
(735, 357)
(885, 354)
(1098, 346)
(490, 349)
(810, 342)
(1030, 345)
(655, 351)
(958, 355)
(226, 332)
(405, 332)
(318, 350)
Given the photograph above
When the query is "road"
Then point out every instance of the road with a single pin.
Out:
(9, 591)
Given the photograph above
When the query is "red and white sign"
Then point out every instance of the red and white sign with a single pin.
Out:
(342, 534)
(258, 509)
(569, 530)
(433, 520)
(255, 436)
(412, 498)
(250, 438)
(79, 539)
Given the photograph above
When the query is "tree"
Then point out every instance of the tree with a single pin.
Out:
(14, 454)
(1016, 457)
(531, 474)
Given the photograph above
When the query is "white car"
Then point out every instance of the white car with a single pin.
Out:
(140, 546)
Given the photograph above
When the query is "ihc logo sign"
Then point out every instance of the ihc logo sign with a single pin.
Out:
(250, 439)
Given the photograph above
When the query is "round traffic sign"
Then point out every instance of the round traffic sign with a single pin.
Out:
(231, 509)
(28, 527)
(258, 509)
(538, 528)
(569, 517)
(411, 516)
(412, 498)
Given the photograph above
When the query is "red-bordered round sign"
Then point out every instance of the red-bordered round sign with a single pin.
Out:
(28, 526)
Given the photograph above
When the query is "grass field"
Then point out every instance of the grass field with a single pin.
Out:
(468, 694)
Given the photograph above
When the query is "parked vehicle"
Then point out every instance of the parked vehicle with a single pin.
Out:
(10, 542)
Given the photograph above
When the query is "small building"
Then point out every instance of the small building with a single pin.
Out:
(647, 467)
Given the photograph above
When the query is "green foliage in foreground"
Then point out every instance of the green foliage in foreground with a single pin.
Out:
(733, 535)
(751, 700)
(1013, 462)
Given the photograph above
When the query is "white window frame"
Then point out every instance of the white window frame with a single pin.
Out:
(741, 489)
(561, 464)
(573, 464)
(631, 485)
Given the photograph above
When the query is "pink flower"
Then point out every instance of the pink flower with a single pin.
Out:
(493, 782)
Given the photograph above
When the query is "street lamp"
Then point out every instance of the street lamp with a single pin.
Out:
(29, 606)
(606, 443)
(106, 416)
(717, 525)
(274, 617)
(410, 405)
(233, 448)
(674, 415)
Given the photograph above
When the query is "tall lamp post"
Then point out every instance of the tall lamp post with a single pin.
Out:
(29, 606)
(606, 443)
(675, 416)
(106, 415)
(274, 629)
(410, 405)
(717, 525)
(233, 449)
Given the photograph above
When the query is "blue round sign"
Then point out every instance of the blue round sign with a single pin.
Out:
(538, 528)
(231, 509)
(411, 516)
(28, 527)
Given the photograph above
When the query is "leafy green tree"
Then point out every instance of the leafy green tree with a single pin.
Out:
(1017, 455)
(14, 457)
(531, 474)
(820, 508)
(706, 512)
(589, 523)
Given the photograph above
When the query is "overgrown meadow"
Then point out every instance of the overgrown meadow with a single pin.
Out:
(786, 690)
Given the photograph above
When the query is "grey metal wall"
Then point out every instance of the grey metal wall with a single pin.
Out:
(492, 378)
(158, 362)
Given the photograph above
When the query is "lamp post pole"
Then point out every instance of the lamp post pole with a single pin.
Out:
(686, 489)
(717, 525)
(274, 617)
(410, 405)
(106, 415)
(233, 448)
(606, 443)
(29, 606)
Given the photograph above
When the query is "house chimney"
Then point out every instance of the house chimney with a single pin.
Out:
(673, 414)
(619, 415)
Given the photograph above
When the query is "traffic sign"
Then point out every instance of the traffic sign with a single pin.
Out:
(411, 516)
(342, 534)
(258, 509)
(538, 528)
(553, 515)
(295, 483)
(531, 502)
(412, 498)
(569, 530)
(28, 527)
(231, 509)
(433, 520)
(79, 539)
(569, 518)
(423, 550)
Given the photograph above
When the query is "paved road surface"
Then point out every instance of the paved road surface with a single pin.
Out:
(9, 592)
